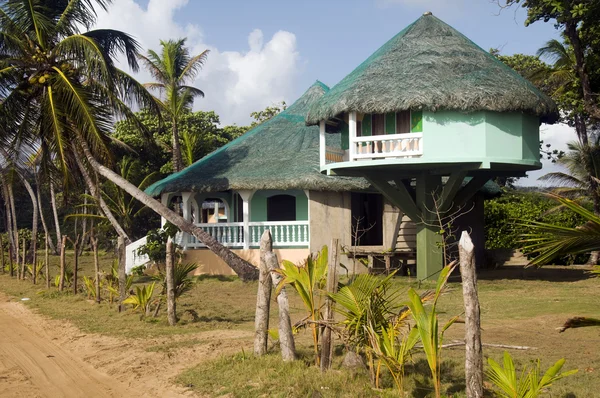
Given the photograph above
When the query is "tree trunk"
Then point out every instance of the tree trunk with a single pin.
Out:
(94, 242)
(41, 211)
(83, 225)
(589, 102)
(11, 198)
(2, 248)
(244, 269)
(32, 255)
(286, 335)
(75, 264)
(263, 298)
(24, 248)
(96, 193)
(177, 162)
(61, 283)
(122, 274)
(9, 222)
(170, 277)
(326, 341)
(47, 261)
(474, 354)
(55, 213)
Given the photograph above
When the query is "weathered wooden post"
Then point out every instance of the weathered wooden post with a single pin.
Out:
(473, 354)
(76, 262)
(46, 259)
(326, 340)
(94, 242)
(23, 258)
(170, 270)
(286, 336)
(63, 245)
(263, 298)
(121, 272)
(2, 248)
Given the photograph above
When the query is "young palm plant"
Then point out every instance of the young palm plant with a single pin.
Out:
(141, 299)
(426, 323)
(308, 280)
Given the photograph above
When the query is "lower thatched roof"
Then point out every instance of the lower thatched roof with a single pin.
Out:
(430, 65)
(282, 153)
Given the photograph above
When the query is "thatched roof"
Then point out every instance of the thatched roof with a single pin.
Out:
(432, 66)
(282, 153)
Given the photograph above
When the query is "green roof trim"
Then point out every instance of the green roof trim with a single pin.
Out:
(430, 65)
(281, 153)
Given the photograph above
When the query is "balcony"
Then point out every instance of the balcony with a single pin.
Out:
(284, 234)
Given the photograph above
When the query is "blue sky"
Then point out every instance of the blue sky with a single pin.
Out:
(266, 51)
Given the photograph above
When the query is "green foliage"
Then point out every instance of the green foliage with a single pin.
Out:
(549, 240)
(90, 287)
(156, 243)
(505, 219)
(508, 384)
(141, 299)
(139, 270)
(426, 323)
(111, 282)
(183, 282)
(308, 280)
(268, 113)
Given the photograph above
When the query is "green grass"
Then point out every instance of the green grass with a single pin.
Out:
(519, 307)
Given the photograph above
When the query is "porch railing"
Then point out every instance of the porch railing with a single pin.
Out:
(284, 234)
(386, 146)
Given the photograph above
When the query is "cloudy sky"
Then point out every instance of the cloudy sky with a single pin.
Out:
(266, 51)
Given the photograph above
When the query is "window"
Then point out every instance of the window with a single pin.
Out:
(403, 122)
(378, 124)
(281, 208)
(367, 219)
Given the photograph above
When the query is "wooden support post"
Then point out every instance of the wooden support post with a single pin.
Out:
(263, 298)
(170, 276)
(46, 260)
(121, 272)
(63, 245)
(2, 248)
(76, 263)
(326, 339)
(23, 259)
(474, 354)
(94, 242)
(286, 336)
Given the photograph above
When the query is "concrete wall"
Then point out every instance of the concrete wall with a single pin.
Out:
(258, 204)
(209, 263)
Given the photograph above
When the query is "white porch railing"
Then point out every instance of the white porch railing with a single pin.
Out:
(386, 146)
(284, 234)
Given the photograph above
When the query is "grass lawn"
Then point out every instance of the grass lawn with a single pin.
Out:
(519, 307)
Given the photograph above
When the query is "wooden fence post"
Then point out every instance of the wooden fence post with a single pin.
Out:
(63, 245)
(286, 336)
(263, 298)
(326, 340)
(170, 276)
(473, 354)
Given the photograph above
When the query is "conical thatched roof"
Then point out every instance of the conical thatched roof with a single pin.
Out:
(432, 66)
(282, 153)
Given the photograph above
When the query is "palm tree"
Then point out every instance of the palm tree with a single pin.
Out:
(173, 69)
(60, 90)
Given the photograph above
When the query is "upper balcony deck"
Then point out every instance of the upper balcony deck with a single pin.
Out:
(503, 142)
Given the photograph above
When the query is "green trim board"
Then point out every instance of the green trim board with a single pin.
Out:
(390, 123)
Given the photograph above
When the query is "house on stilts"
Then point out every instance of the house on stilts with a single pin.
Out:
(424, 122)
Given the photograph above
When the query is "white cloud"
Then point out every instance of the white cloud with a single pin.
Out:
(235, 83)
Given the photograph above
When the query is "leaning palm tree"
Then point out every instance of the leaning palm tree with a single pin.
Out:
(61, 90)
(173, 69)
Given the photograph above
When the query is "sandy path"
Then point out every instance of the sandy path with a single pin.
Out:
(42, 357)
(32, 365)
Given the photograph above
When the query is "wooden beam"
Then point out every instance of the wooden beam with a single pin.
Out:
(469, 190)
(450, 189)
(399, 197)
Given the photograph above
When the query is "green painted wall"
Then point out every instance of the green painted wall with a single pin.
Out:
(301, 206)
(503, 135)
(258, 207)
(453, 135)
(531, 137)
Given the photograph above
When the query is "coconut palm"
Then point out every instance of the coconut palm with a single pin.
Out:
(60, 90)
(173, 69)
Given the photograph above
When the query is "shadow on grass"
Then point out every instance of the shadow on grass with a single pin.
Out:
(220, 278)
(548, 274)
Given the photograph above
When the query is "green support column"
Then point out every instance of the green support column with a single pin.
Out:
(429, 241)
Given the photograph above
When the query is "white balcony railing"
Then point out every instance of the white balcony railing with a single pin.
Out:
(284, 234)
(386, 146)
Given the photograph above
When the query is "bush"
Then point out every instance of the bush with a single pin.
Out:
(503, 215)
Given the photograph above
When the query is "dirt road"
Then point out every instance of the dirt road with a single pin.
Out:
(42, 357)
(31, 365)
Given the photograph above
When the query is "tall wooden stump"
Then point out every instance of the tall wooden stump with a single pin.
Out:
(326, 340)
(263, 297)
(121, 273)
(286, 336)
(474, 354)
(63, 245)
(170, 270)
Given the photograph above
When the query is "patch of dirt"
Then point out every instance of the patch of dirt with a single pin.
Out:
(41, 357)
